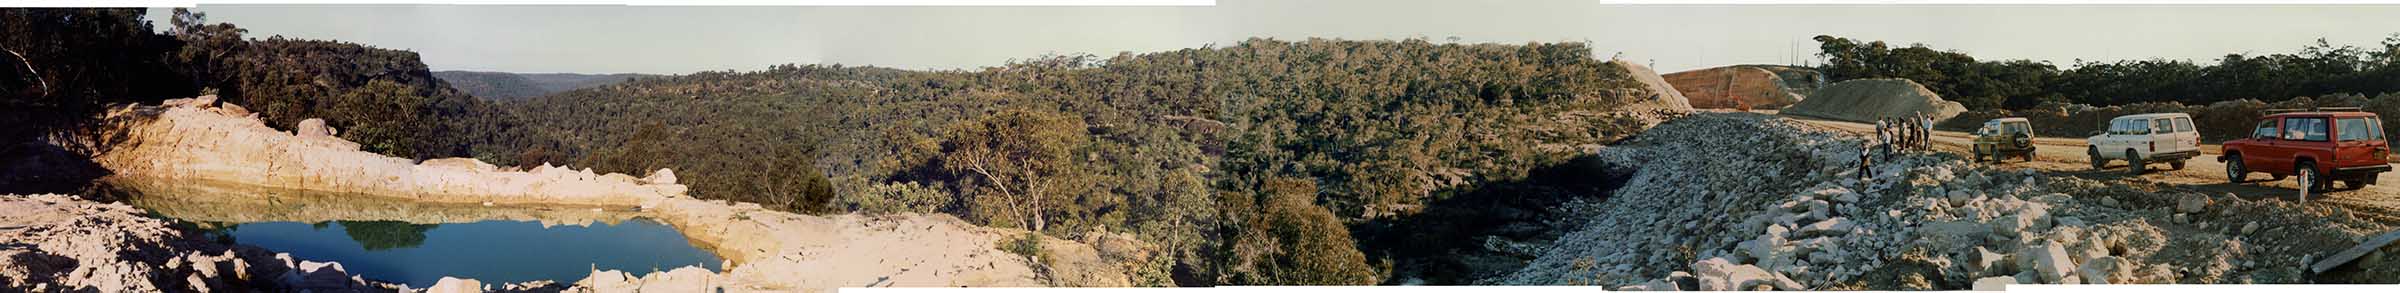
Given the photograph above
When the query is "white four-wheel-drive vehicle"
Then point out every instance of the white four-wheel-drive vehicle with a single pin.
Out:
(2143, 139)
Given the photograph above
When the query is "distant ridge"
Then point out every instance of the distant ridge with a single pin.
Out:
(506, 86)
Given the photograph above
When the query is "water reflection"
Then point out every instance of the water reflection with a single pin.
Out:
(223, 204)
(381, 235)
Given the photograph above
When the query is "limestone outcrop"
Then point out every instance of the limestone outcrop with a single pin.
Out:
(1864, 100)
(1747, 86)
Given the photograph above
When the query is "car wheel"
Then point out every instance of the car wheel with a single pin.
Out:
(2098, 162)
(2133, 163)
(2234, 171)
(2176, 165)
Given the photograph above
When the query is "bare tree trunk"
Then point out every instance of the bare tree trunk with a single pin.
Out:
(29, 71)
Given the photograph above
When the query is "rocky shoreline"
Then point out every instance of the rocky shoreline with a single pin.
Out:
(63, 243)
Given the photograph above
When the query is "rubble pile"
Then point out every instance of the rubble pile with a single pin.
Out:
(1737, 201)
(58, 243)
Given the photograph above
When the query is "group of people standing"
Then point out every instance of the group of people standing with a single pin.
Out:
(1913, 132)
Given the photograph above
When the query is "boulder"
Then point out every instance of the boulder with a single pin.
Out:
(2191, 204)
(1717, 274)
(2050, 261)
(1865, 100)
(662, 176)
(455, 285)
(2106, 270)
(1994, 283)
(312, 128)
(1834, 226)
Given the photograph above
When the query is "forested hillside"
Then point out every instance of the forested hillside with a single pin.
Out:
(1246, 162)
(66, 65)
(505, 86)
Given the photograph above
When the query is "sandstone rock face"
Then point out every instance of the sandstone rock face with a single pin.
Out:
(1864, 100)
(1754, 86)
(1662, 96)
(186, 141)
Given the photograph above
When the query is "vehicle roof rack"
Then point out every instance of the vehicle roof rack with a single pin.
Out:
(2315, 109)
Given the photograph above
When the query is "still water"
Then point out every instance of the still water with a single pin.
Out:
(489, 251)
(418, 243)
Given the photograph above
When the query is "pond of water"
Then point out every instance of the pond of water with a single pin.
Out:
(418, 243)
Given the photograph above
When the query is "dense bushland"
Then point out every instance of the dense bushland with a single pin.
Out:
(1158, 145)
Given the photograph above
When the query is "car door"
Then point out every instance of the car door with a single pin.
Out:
(2163, 137)
(2265, 153)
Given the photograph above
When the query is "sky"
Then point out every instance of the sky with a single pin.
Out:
(1670, 38)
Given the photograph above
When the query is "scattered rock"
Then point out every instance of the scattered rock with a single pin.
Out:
(455, 285)
(2050, 261)
(1994, 283)
(2191, 204)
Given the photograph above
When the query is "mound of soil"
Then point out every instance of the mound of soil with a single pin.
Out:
(1662, 95)
(1864, 100)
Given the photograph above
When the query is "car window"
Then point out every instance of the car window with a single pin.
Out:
(2183, 124)
(2025, 128)
(2163, 125)
(2358, 129)
(2266, 129)
(2132, 126)
(2304, 129)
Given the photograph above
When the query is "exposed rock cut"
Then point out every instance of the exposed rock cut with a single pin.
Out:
(1751, 86)
(183, 140)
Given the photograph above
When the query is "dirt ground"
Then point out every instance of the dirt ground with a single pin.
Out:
(2379, 202)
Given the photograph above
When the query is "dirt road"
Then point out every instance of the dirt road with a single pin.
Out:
(2066, 156)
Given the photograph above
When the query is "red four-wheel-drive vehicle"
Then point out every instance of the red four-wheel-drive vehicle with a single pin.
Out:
(2319, 146)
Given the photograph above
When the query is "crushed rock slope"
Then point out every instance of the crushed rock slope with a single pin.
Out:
(1731, 201)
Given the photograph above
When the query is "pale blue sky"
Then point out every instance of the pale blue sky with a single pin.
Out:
(674, 40)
